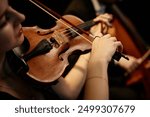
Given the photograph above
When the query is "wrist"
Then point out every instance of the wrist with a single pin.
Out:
(98, 63)
(97, 78)
(97, 68)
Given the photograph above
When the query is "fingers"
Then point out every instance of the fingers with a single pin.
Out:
(119, 46)
(104, 18)
(107, 21)
(106, 36)
(99, 37)
(107, 16)
(104, 47)
(114, 39)
(96, 31)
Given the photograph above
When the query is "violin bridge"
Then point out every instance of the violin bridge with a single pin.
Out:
(59, 37)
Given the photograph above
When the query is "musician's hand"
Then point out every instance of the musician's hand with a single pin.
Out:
(103, 28)
(106, 18)
(129, 65)
(104, 47)
(96, 29)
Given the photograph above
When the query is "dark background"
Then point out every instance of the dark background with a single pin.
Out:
(138, 12)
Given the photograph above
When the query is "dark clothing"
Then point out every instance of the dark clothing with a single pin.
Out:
(6, 96)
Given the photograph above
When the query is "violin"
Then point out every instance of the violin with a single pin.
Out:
(48, 62)
(46, 55)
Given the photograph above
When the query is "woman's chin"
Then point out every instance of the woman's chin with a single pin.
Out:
(20, 39)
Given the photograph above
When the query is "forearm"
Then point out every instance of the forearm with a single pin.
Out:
(96, 86)
(70, 86)
(96, 89)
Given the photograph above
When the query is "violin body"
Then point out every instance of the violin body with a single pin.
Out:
(50, 66)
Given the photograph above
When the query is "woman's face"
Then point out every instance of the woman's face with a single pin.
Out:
(10, 27)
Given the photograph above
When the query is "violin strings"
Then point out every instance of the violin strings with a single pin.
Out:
(46, 11)
(68, 34)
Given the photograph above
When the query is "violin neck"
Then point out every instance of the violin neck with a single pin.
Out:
(87, 25)
(84, 26)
